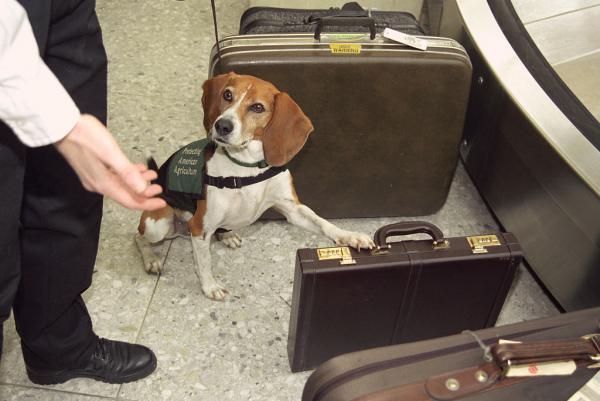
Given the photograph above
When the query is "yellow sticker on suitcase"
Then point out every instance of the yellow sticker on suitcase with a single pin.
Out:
(345, 48)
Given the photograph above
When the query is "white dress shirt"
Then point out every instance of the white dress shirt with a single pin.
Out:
(32, 100)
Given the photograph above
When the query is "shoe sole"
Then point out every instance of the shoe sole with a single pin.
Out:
(66, 375)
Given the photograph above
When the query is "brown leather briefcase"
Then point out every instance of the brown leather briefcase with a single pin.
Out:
(344, 300)
(473, 366)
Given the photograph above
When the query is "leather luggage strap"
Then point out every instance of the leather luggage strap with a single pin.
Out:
(544, 351)
(435, 388)
(490, 376)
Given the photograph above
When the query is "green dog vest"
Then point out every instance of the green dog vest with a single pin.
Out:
(186, 169)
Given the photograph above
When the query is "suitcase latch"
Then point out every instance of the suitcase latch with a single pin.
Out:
(342, 253)
(479, 243)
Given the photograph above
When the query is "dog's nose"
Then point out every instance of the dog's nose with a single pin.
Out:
(224, 126)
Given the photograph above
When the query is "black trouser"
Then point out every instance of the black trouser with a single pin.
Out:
(49, 224)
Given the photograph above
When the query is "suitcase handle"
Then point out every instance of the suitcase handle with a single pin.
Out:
(368, 22)
(407, 228)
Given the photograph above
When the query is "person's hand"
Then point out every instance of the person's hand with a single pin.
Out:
(102, 167)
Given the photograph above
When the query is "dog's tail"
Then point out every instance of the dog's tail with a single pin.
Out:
(151, 163)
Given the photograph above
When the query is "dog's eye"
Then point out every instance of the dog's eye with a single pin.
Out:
(227, 95)
(257, 108)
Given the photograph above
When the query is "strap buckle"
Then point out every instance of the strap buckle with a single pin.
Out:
(595, 340)
(232, 182)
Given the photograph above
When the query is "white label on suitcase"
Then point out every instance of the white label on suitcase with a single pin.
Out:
(559, 368)
(589, 392)
(554, 368)
(408, 40)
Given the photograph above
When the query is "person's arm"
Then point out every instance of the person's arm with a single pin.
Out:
(40, 112)
(32, 101)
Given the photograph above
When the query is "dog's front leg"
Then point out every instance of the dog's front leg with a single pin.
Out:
(302, 216)
(201, 248)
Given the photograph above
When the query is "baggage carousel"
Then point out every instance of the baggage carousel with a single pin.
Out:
(531, 147)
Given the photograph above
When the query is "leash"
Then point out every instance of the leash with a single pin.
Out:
(214, 13)
(236, 182)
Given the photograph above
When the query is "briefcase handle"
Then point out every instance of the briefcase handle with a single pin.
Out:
(407, 228)
(368, 22)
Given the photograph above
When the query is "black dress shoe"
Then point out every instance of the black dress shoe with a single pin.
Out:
(111, 362)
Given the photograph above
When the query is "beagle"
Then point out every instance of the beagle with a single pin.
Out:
(253, 130)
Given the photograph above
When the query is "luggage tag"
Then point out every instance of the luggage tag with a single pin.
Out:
(403, 38)
(590, 390)
(555, 368)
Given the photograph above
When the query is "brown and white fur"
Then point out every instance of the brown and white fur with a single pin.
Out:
(255, 121)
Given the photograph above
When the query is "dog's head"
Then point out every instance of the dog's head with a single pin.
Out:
(240, 109)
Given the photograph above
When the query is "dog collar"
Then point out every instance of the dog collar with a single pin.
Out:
(260, 164)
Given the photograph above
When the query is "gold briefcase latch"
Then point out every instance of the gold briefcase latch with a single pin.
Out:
(479, 243)
(342, 252)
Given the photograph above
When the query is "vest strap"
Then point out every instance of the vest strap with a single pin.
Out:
(240, 182)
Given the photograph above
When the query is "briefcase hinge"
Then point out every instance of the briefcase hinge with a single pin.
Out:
(479, 243)
(381, 250)
(441, 244)
(342, 253)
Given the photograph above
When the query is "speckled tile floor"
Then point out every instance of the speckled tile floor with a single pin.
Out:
(232, 350)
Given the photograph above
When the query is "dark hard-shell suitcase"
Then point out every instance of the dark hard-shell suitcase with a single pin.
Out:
(268, 20)
(345, 301)
(450, 368)
(388, 118)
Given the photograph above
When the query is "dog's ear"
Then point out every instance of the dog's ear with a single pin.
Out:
(211, 97)
(287, 131)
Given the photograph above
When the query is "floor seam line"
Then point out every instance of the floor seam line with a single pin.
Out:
(24, 386)
(560, 14)
(575, 58)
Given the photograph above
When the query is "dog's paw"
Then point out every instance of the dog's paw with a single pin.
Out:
(215, 291)
(230, 239)
(152, 263)
(355, 240)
